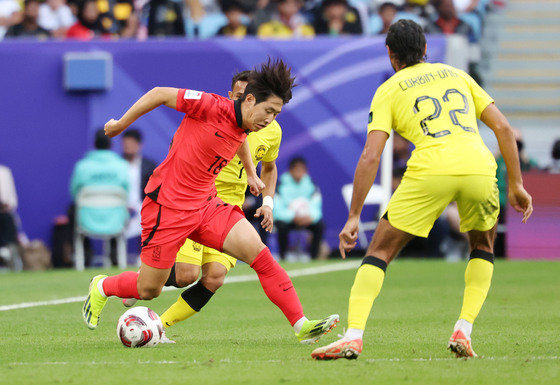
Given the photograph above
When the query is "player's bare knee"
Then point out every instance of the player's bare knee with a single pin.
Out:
(149, 292)
(213, 281)
(187, 274)
(185, 278)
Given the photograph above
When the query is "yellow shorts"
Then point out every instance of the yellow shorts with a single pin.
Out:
(197, 254)
(420, 200)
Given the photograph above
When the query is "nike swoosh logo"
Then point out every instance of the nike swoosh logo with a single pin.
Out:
(218, 134)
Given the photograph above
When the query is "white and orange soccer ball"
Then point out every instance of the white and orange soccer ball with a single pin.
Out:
(139, 327)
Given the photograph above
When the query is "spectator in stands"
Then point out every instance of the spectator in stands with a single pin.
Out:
(29, 27)
(336, 17)
(56, 17)
(165, 18)
(447, 22)
(115, 14)
(89, 23)
(101, 168)
(386, 15)
(140, 169)
(465, 6)
(8, 206)
(297, 205)
(10, 14)
(286, 22)
(235, 14)
(555, 166)
(131, 28)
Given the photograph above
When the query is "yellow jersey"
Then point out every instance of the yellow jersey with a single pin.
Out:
(435, 106)
(232, 180)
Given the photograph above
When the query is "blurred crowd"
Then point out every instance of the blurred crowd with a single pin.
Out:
(139, 19)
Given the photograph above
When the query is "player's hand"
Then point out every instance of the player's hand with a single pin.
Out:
(348, 236)
(113, 128)
(268, 221)
(256, 185)
(521, 201)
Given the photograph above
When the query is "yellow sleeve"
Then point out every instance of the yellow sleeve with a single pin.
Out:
(380, 115)
(480, 97)
(272, 153)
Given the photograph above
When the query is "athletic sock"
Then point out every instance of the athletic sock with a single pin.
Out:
(465, 326)
(278, 286)
(190, 302)
(353, 334)
(124, 285)
(366, 288)
(172, 281)
(478, 277)
(298, 325)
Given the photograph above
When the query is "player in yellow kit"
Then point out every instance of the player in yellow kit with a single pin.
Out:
(435, 106)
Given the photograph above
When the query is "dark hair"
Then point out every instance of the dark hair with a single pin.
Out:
(328, 3)
(102, 142)
(556, 150)
(407, 41)
(272, 78)
(297, 160)
(242, 76)
(134, 134)
(387, 4)
(231, 5)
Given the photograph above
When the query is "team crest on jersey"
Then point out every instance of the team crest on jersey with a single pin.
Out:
(370, 117)
(260, 152)
(192, 94)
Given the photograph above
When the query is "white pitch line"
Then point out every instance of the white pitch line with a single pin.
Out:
(230, 361)
(235, 279)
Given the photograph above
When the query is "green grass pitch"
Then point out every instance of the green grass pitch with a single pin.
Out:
(241, 338)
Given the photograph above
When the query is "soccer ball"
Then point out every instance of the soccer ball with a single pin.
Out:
(138, 327)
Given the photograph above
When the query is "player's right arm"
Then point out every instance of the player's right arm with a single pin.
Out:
(154, 98)
(518, 197)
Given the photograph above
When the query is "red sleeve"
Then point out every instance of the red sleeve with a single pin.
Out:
(192, 102)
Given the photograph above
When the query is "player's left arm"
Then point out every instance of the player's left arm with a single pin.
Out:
(366, 170)
(269, 175)
(255, 184)
(154, 98)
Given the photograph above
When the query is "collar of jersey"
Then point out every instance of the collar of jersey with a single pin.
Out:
(238, 117)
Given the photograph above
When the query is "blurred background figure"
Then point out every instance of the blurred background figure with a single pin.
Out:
(165, 18)
(56, 17)
(298, 205)
(336, 17)
(286, 22)
(236, 19)
(140, 169)
(89, 23)
(9, 250)
(555, 154)
(10, 14)
(386, 15)
(29, 27)
(101, 168)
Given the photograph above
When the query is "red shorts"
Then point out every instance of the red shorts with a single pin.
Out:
(164, 230)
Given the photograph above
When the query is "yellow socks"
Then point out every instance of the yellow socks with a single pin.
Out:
(478, 277)
(188, 304)
(366, 288)
(177, 312)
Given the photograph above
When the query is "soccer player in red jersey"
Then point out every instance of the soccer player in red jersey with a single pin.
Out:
(181, 199)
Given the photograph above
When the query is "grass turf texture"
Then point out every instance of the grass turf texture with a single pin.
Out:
(240, 337)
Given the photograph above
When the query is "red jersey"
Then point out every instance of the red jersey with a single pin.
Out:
(207, 139)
